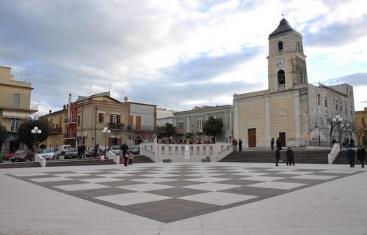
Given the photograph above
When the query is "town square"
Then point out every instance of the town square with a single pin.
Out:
(183, 117)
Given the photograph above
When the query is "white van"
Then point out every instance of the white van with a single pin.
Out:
(64, 147)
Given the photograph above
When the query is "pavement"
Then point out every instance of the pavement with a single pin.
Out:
(184, 198)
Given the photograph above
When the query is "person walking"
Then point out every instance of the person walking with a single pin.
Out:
(277, 156)
(124, 149)
(361, 154)
(290, 156)
(79, 151)
(234, 143)
(82, 151)
(240, 145)
(272, 144)
(350, 155)
(279, 143)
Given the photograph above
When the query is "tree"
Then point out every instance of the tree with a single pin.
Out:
(213, 127)
(3, 134)
(25, 135)
(166, 131)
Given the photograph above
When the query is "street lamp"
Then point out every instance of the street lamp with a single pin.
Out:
(36, 131)
(106, 132)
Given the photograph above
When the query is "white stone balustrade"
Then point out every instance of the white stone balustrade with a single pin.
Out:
(176, 152)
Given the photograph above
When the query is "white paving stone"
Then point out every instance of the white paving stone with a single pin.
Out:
(145, 187)
(76, 187)
(212, 186)
(51, 179)
(314, 177)
(131, 198)
(262, 178)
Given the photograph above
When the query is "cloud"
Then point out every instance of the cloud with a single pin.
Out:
(207, 67)
(358, 79)
(336, 34)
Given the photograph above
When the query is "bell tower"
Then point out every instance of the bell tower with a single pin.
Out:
(286, 61)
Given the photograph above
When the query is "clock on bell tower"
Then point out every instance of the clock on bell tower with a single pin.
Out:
(286, 61)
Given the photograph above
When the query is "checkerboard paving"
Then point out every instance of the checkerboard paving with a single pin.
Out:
(168, 193)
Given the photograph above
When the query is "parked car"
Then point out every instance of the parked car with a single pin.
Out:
(9, 155)
(135, 149)
(71, 153)
(49, 154)
(22, 156)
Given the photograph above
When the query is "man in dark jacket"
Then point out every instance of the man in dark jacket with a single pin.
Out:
(361, 154)
(350, 155)
(240, 145)
(124, 149)
(277, 156)
(279, 143)
(290, 156)
(272, 144)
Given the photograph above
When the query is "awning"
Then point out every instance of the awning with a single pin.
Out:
(16, 114)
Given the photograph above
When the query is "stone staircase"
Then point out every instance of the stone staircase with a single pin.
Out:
(19, 164)
(268, 156)
(142, 159)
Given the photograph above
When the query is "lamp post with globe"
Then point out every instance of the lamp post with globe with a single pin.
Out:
(106, 132)
(36, 131)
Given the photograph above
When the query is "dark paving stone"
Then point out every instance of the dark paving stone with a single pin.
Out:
(177, 192)
(131, 177)
(261, 193)
(171, 210)
(280, 175)
(37, 176)
(182, 177)
(99, 192)
(180, 183)
(58, 183)
(121, 183)
(85, 177)
(308, 182)
(59, 172)
(239, 182)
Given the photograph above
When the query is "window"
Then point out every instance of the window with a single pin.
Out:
(78, 120)
(100, 117)
(325, 102)
(200, 125)
(16, 101)
(131, 120)
(299, 47)
(318, 99)
(138, 122)
(14, 125)
(180, 125)
(336, 107)
(113, 118)
(281, 78)
(280, 46)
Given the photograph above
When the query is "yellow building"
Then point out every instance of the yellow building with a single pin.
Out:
(56, 122)
(15, 100)
(361, 126)
(297, 112)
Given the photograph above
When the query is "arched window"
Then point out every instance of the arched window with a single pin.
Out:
(281, 78)
(280, 46)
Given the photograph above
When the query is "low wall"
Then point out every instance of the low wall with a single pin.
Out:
(186, 153)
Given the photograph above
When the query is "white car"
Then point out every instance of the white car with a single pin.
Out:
(48, 154)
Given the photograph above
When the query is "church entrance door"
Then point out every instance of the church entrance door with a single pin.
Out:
(283, 138)
(252, 137)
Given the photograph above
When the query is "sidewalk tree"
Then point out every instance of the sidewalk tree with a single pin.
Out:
(25, 135)
(213, 127)
(166, 131)
(3, 134)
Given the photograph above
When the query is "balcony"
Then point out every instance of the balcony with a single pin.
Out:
(55, 131)
(73, 120)
(70, 136)
(140, 128)
(115, 126)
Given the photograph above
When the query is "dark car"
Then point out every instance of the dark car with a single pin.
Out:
(71, 153)
(22, 156)
(134, 149)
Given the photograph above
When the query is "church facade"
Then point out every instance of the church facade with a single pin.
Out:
(299, 113)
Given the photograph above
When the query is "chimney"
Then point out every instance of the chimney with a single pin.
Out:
(69, 109)
(64, 108)
(50, 111)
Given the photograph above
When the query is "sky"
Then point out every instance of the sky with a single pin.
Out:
(176, 54)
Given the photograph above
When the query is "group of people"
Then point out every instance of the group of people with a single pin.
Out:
(82, 151)
(234, 143)
(289, 153)
(361, 156)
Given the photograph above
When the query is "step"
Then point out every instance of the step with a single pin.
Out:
(19, 164)
(78, 162)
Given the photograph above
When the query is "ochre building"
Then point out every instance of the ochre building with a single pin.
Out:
(298, 112)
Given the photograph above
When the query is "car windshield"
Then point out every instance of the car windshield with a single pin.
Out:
(47, 151)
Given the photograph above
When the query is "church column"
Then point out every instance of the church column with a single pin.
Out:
(297, 117)
(267, 122)
(188, 127)
(235, 119)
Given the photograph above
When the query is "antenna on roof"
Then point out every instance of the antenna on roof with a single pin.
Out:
(283, 15)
